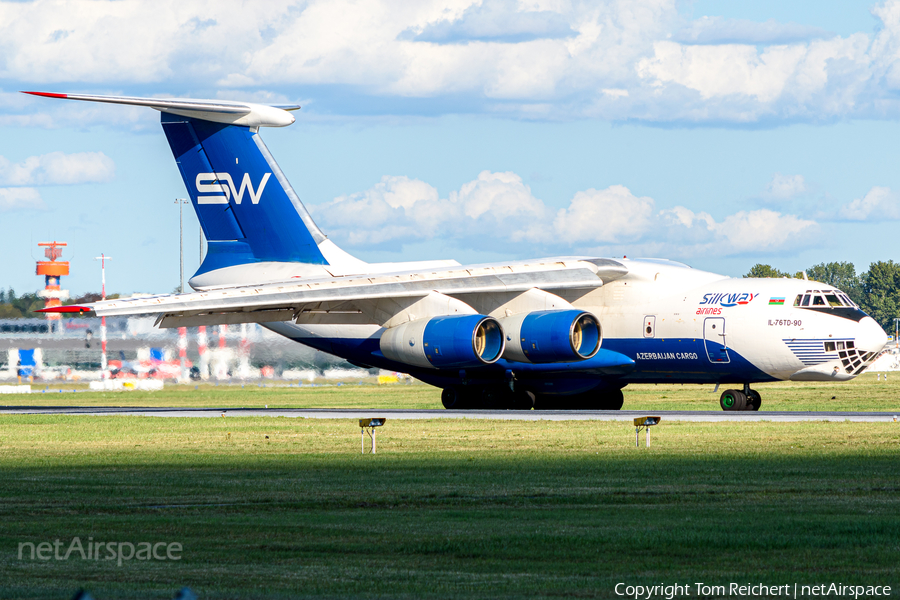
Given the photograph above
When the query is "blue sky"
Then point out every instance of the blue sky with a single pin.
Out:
(717, 133)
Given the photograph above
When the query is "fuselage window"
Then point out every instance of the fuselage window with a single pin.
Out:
(829, 346)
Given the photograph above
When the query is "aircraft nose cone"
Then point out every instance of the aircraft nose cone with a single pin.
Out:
(870, 337)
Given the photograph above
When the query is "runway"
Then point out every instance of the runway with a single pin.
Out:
(503, 415)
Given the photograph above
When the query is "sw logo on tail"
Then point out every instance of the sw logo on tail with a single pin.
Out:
(214, 183)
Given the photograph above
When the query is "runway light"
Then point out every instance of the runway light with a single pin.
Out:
(369, 425)
(644, 423)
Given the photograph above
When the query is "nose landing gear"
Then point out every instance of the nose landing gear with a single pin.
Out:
(747, 400)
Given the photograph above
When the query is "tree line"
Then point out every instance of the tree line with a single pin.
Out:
(17, 307)
(876, 291)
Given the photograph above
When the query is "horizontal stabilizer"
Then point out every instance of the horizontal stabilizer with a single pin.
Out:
(71, 308)
(217, 111)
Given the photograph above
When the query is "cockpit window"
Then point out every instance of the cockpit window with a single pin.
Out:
(846, 299)
(833, 300)
(823, 298)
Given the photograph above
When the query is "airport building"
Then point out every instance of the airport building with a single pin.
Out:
(70, 350)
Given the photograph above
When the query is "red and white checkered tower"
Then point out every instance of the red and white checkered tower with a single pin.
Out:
(53, 270)
(104, 370)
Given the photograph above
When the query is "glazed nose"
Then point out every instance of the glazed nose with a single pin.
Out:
(870, 337)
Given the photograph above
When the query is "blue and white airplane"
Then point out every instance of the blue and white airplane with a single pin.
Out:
(550, 333)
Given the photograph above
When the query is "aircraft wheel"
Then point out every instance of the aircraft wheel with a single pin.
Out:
(455, 399)
(611, 400)
(582, 401)
(754, 400)
(494, 398)
(733, 400)
(545, 402)
(522, 400)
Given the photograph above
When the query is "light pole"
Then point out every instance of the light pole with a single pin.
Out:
(181, 202)
(103, 364)
(896, 330)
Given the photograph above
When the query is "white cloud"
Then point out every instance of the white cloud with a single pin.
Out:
(718, 30)
(58, 168)
(742, 70)
(393, 210)
(20, 198)
(684, 217)
(879, 204)
(497, 211)
(611, 215)
(494, 20)
(501, 196)
(494, 206)
(636, 60)
(784, 187)
(762, 231)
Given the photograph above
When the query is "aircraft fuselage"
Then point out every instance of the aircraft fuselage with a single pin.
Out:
(667, 323)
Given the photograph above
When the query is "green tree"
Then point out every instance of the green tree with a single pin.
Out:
(765, 271)
(841, 275)
(881, 292)
(26, 303)
(8, 311)
(22, 306)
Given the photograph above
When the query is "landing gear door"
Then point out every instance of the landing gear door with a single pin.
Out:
(714, 340)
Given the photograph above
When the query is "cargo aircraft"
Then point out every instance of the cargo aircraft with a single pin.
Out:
(550, 333)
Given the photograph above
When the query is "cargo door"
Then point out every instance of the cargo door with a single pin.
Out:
(714, 340)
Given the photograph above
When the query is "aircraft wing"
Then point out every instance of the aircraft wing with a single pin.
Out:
(351, 299)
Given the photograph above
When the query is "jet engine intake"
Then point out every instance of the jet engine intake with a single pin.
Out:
(455, 341)
(550, 336)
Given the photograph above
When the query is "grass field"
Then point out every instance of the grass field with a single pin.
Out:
(864, 393)
(286, 508)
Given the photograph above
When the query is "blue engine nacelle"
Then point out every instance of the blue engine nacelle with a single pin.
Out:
(456, 341)
(549, 336)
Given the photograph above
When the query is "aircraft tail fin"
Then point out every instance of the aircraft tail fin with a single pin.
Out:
(246, 207)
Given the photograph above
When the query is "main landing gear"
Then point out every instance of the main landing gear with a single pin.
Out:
(745, 399)
(603, 399)
(500, 397)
